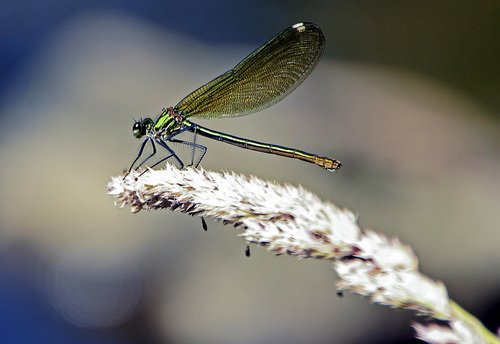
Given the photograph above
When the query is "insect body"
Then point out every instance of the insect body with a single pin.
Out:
(260, 80)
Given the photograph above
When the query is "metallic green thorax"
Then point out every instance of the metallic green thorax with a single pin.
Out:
(166, 124)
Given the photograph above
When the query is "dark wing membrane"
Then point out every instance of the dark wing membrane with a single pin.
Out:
(262, 79)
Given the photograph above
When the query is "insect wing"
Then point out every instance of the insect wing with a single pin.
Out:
(262, 79)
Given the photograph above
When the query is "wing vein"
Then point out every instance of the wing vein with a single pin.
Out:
(262, 79)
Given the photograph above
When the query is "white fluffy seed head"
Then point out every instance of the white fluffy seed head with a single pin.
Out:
(286, 219)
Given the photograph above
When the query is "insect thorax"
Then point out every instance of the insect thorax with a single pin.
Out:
(166, 124)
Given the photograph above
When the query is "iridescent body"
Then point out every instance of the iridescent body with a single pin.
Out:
(262, 79)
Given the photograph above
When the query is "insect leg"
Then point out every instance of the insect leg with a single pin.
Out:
(149, 156)
(195, 147)
(162, 160)
(164, 145)
(172, 154)
(138, 156)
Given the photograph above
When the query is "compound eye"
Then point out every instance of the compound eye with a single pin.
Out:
(137, 129)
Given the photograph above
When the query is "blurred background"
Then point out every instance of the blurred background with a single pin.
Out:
(406, 96)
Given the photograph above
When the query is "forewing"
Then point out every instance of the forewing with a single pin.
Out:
(262, 79)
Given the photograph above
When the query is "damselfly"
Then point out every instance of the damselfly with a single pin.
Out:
(262, 79)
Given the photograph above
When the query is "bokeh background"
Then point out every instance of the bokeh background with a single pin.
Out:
(407, 96)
